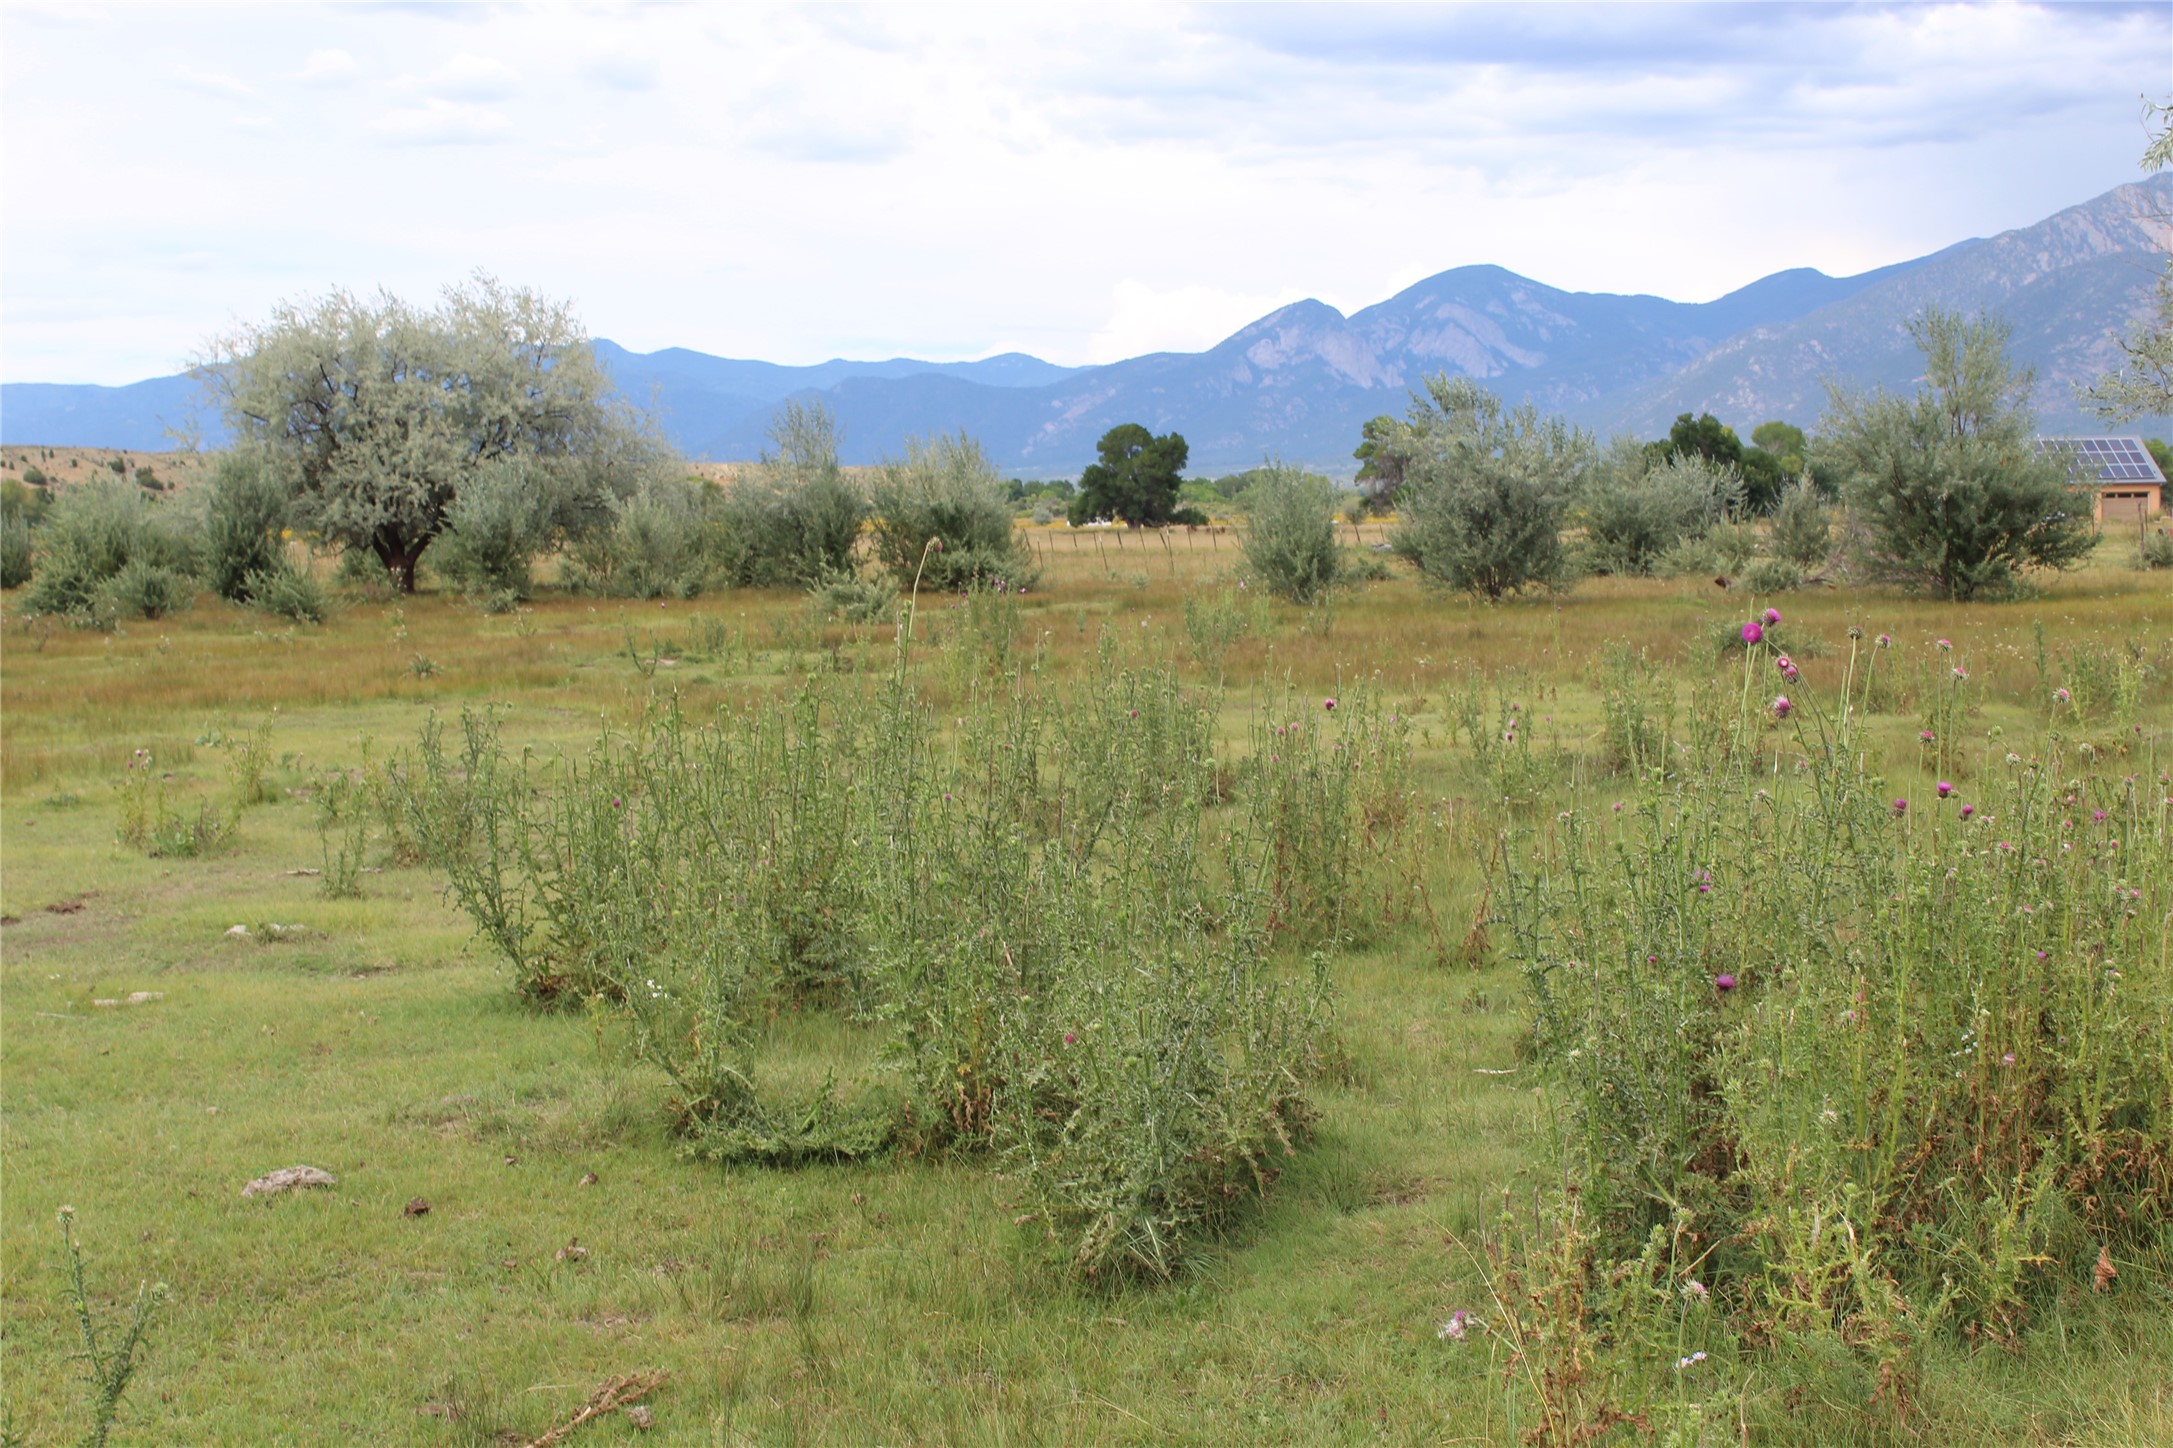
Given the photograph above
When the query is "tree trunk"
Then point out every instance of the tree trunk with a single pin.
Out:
(399, 561)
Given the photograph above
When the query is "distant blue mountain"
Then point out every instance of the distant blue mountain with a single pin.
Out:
(143, 416)
(1301, 381)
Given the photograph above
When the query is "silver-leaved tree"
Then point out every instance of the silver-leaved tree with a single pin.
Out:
(379, 414)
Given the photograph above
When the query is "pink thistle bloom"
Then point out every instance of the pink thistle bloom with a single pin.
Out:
(2098, 816)
(1884, 641)
(1753, 632)
(1781, 706)
(1327, 703)
(1695, 1289)
(1772, 616)
(1926, 735)
(1901, 806)
(1944, 643)
(1961, 674)
(1454, 1329)
(2060, 696)
(1724, 982)
(2008, 1059)
(1945, 789)
(1070, 1038)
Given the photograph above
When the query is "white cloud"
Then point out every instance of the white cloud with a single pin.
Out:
(1143, 318)
(213, 83)
(622, 72)
(468, 77)
(328, 67)
(442, 123)
(803, 183)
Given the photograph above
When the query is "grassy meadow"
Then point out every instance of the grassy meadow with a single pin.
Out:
(567, 1240)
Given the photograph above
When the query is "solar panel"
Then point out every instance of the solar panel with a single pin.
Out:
(2107, 459)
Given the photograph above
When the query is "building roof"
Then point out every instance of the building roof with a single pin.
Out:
(2106, 459)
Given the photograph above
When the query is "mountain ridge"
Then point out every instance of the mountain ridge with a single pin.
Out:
(1300, 381)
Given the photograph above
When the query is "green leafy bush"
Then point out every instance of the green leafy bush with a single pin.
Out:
(1863, 1067)
(1803, 528)
(659, 544)
(1634, 513)
(245, 512)
(946, 491)
(1290, 542)
(1486, 491)
(144, 589)
(1070, 957)
(16, 561)
(285, 590)
(494, 529)
(794, 518)
(95, 532)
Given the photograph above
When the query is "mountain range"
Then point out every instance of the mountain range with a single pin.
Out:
(1299, 382)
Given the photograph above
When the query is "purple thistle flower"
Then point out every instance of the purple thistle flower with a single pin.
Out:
(2060, 696)
(1944, 643)
(1884, 641)
(1926, 735)
(1772, 616)
(1945, 789)
(1753, 632)
(1781, 706)
(1901, 806)
(1724, 982)
(1328, 703)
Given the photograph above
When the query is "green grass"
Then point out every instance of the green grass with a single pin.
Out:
(888, 1303)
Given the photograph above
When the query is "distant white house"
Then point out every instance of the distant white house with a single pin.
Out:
(2130, 487)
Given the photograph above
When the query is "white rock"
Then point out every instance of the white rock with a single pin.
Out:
(287, 1179)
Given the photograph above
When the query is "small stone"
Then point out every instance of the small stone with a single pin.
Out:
(287, 1179)
(639, 1415)
(416, 1207)
(238, 932)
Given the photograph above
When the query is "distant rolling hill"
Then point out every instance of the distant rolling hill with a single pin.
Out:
(1299, 382)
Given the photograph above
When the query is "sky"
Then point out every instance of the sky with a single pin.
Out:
(950, 182)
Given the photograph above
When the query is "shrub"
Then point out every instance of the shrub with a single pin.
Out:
(794, 518)
(946, 490)
(1950, 488)
(1485, 491)
(657, 545)
(493, 531)
(15, 556)
(1855, 1061)
(1634, 514)
(144, 589)
(15, 550)
(857, 599)
(1068, 947)
(1772, 575)
(1290, 542)
(2155, 551)
(286, 591)
(96, 530)
(35, 477)
(245, 511)
(1803, 528)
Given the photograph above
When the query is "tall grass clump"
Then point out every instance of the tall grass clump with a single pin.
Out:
(946, 490)
(107, 551)
(1290, 543)
(1062, 945)
(1852, 1062)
